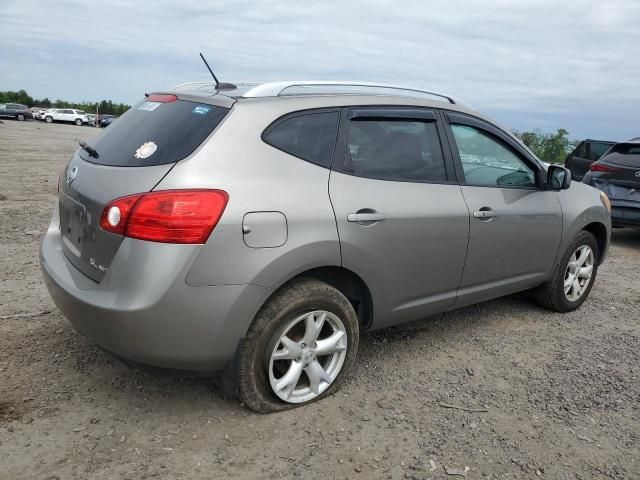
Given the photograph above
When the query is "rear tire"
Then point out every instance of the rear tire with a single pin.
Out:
(78, 122)
(553, 294)
(20, 117)
(259, 374)
(48, 119)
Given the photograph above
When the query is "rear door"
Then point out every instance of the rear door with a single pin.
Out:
(402, 221)
(578, 161)
(515, 227)
(130, 157)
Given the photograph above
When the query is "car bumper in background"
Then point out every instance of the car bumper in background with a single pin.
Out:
(624, 215)
(143, 310)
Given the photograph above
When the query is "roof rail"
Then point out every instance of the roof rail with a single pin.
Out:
(296, 88)
(301, 88)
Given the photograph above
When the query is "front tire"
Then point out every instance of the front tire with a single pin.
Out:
(78, 122)
(48, 119)
(299, 348)
(574, 276)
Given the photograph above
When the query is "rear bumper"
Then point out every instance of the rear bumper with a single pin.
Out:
(144, 311)
(624, 215)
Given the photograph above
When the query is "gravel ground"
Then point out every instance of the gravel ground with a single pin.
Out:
(548, 395)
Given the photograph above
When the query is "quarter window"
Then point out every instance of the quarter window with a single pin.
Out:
(390, 149)
(309, 136)
(486, 161)
(598, 149)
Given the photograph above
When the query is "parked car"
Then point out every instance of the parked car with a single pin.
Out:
(264, 229)
(107, 120)
(587, 152)
(617, 174)
(91, 119)
(66, 115)
(44, 111)
(15, 110)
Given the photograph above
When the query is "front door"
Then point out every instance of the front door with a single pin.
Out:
(515, 226)
(402, 220)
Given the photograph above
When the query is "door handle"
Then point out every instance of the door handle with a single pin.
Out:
(366, 217)
(485, 213)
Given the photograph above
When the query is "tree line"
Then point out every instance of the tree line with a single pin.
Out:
(104, 107)
(548, 147)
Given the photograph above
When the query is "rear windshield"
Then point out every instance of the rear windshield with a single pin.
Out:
(624, 154)
(155, 133)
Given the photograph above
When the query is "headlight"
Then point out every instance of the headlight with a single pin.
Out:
(605, 201)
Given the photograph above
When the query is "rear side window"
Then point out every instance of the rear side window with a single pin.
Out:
(310, 136)
(155, 133)
(598, 149)
(390, 149)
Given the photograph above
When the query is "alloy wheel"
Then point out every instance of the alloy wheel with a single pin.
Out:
(308, 356)
(579, 272)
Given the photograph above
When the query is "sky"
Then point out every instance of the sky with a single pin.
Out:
(530, 64)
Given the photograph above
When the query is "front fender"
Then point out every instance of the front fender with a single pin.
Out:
(581, 207)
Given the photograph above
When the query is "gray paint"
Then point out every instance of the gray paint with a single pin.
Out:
(188, 306)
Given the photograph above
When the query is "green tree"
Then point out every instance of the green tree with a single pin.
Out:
(549, 147)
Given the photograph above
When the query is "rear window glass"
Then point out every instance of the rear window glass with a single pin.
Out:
(155, 133)
(625, 154)
(310, 136)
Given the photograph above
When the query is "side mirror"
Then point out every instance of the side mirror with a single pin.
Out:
(558, 178)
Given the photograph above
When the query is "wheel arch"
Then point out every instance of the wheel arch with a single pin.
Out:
(348, 283)
(599, 231)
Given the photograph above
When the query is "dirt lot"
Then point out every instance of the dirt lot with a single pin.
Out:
(557, 396)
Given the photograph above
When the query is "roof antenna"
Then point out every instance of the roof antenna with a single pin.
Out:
(219, 85)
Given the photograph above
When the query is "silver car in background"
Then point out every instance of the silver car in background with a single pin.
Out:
(256, 232)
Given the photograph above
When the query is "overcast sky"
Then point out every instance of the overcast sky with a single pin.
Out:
(529, 64)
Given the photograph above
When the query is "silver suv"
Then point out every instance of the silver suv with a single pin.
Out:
(256, 232)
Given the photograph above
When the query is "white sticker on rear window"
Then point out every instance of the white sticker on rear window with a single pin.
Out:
(149, 106)
(146, 150)
(201, 109)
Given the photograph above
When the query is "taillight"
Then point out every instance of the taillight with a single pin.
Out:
(169, 216)
(115, 215)
(600, 167)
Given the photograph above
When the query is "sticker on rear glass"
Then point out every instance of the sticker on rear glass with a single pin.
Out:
(201, 109)
(146, 150)
(149, 106)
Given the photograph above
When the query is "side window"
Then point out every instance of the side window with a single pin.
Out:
(581, 151)
(486, 161)
(597, 150)
(309, 136)
(390, 149)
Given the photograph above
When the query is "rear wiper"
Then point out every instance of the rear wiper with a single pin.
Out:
(90, 150)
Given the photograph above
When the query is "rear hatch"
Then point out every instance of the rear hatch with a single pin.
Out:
(129, 157)
(621, 182)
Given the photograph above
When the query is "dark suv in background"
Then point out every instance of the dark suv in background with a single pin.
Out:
(617, 174)
(587, 152)
(15, 110)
